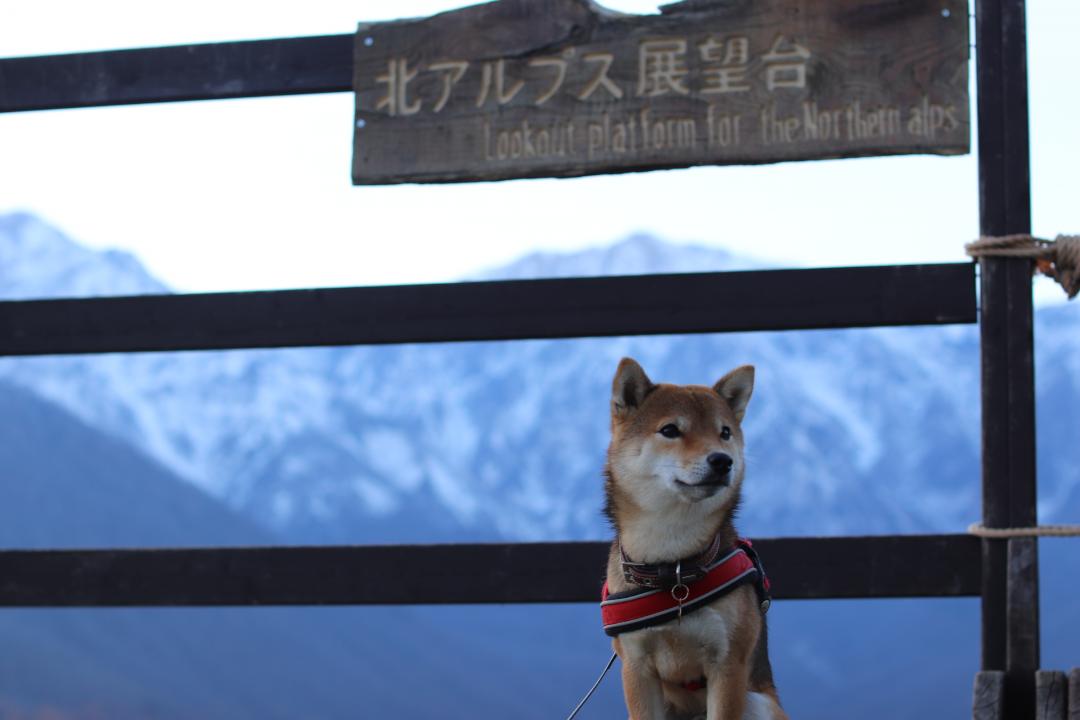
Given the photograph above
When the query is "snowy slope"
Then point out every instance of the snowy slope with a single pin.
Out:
(64, 484)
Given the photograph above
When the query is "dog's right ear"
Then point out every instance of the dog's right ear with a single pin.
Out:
(736, 388)
(629, 388)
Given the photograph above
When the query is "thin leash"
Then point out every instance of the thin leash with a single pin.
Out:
(610, 662)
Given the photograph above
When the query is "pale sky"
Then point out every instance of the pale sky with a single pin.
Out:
(248, 194)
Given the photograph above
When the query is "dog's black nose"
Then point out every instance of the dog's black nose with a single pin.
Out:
(720, 462)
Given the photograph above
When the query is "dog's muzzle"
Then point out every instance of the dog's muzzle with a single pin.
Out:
(719, 474)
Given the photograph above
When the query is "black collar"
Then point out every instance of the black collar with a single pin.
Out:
(668, 575)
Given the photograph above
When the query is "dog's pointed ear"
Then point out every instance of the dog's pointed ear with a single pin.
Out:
(736, 388)
(629, 388)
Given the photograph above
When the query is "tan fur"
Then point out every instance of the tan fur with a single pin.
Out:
(666, 504)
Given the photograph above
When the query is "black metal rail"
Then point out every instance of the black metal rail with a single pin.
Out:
(803, 568)
(510, 310)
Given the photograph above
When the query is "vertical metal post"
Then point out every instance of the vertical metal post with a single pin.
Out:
(1010, 615)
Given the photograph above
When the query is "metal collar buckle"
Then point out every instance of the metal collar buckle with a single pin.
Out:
(679, 592)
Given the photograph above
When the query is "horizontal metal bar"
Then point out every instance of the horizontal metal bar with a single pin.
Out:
(256, 68)
(505, 310)
(836, 567)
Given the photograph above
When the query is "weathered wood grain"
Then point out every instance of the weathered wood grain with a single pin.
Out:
(1050, 695)
(989, 696)
(528, 88)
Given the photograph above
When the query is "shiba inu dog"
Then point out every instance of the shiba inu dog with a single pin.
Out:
(673, 476)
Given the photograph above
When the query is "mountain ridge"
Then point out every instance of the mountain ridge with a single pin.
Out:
(37, 261)
(473, 440)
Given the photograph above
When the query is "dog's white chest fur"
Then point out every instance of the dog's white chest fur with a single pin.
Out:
(681, 651)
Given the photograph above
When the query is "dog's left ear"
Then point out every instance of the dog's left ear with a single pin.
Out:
(736, 388)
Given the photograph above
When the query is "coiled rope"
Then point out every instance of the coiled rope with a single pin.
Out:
(1035, 531)
(1058, 259)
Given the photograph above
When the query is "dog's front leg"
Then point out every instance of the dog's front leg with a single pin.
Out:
(644, 695)
(726, 689)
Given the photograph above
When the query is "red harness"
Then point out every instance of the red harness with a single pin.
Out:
(645, 607)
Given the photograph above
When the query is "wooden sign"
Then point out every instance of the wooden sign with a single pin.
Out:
(532, 88)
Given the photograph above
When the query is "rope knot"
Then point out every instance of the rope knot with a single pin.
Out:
(1058, 258)
(1067, 263)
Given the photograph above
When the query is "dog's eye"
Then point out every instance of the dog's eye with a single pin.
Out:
(670, 431)
(725, 433)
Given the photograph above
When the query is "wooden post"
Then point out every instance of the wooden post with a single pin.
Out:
(1050, 695)
(1022, 614)
(1074, 694)
(1010, 619)
(989, 699)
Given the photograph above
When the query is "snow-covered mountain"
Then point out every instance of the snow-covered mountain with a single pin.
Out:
(861, 431)
(39, 261)
(850, 431)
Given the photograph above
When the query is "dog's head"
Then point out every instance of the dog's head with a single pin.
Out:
(676, 445)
